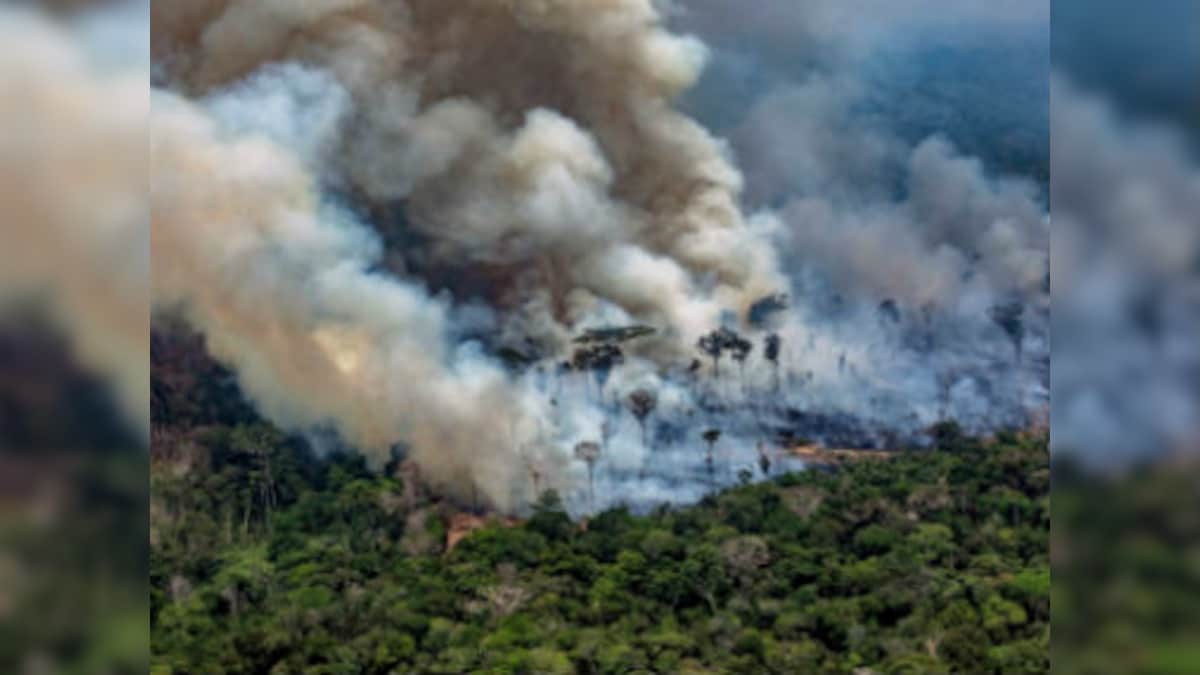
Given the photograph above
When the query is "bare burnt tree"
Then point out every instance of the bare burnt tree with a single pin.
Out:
(641, 403)
(602, 357)
(722, 340)
(710, 436)
(589, 452)
(771, 352)
(764, 459)
(740, 347)
(599, 360)
(712, 345)
(889, 311)
(1008, 317)
(946, 382)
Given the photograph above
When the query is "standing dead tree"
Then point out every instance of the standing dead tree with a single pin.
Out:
(589, 452)
(712, 345)
(764, 460)
(722, 340)
(1008, 318)
(642, 403)
(946, 382)
(711, 436)
(771, 352)
(599, 360)
(740, 348)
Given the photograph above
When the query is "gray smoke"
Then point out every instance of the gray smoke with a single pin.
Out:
(74, 230)
(365, 206)
(1126, 244)
(558, 184)
(920, 272)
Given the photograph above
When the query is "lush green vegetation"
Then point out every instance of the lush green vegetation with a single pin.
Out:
(73, 563)
(266, 561)
(1127, 582)
(73, 550)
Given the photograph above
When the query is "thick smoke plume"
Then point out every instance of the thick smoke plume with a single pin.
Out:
(1126, 192)
(918, 253)
(533, 147)
(1127, 302)
(73, 173)
(393, 219)
(282, 285)
(540, 167)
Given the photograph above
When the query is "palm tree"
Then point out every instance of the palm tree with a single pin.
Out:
(713, 345)
(741, 348)
(771, 351)
(764, 460)
(599, 361)
(1008, 318)
(589, 453)
(641, 404)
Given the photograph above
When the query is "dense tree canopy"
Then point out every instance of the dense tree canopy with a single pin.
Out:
(266, 560)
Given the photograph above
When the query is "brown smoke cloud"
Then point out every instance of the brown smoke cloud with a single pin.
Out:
(530, 136)
(73, 176)
(283, 292)
(530, 144)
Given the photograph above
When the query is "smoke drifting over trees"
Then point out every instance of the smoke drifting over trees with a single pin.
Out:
(1127, 238)
(394, 219)
(871, 130)
(534, 146)
(74, 231)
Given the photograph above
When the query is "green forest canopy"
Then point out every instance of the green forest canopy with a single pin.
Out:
(265, 560)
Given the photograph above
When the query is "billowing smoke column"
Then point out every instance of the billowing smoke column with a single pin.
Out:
(395, 220)
(74, 227)
(1127, 208)
(915, 240)
(533, 147)
(1126, 194)
(283, 288)
(534, 152)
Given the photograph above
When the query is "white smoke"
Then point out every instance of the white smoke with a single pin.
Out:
(833, 32)
(557, 185)
(957, 235)
(920, 273)
(534, 145)
(360, 202)
(1127, 238)
(73, 175)
(280, 280)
